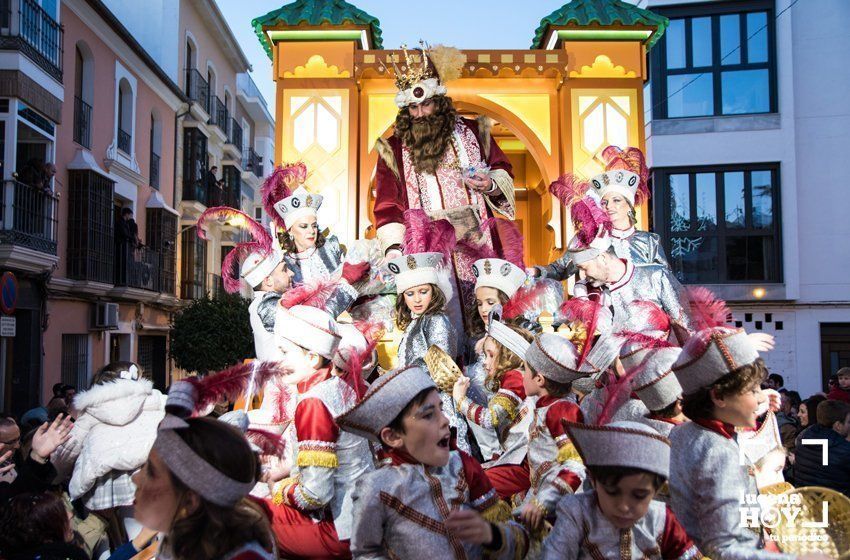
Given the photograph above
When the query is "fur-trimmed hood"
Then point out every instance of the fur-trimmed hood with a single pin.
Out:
(116, 402)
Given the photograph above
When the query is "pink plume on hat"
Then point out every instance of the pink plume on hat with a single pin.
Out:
(280, 184)
(533, 300)
(707, 310)
(237, 218)
(510, 239)
(424, 235)
(315, 293)
(230, 264)
(588, 217)
(630, 159)
(231, 383)
(618, 392)
(569, 188)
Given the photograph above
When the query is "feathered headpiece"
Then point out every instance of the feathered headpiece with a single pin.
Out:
(424, 235)
(630, 159)
(532, 300)
(588, 217)
(510, 239)
(260, 255)
(585, 311)
(425, 72)
(280, 184)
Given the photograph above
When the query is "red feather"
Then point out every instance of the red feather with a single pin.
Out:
(569, 188)
(707, 310)
(423, 235)
(230, 265)
(644, 341)
(268, 442)
(586, 311)
(630, 159)
(280, 184)
(315, 293)
(588, 217)
(223, 213)
(617, 393)
(528, 299)
(231, 383)
(510, 239)
(280, 403)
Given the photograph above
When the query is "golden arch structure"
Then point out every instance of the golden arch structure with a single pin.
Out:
(555, 106)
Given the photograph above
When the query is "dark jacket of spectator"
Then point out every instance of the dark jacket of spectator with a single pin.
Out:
(32, 476)
(808, 467)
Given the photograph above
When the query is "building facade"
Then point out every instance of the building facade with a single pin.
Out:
(746, 122)
(107, 141)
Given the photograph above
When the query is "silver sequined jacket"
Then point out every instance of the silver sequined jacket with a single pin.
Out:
(399, 512)
(262, 313)
(321, 263)
(639, 247)
(707, 485)
(582, 532)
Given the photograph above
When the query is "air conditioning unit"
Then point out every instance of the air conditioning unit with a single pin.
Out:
(105, 316)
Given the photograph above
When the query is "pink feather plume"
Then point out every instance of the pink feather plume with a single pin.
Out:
(588, 217)
(569, 188)
(617, 393)
(510, 239)
(280, 402)
(268, 442)
(231, 383)
(230, 265)
(424, 235)
(223, 213)
(280, 184)
(630, 159)
(586, 311)
(527, 300)
(315, 293)
(707, 310)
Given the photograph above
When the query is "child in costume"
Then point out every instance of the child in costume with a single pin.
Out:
(711, 479)
(430, 501)
(627, 464)
(551, 365)
(311, 510)
(508, 412)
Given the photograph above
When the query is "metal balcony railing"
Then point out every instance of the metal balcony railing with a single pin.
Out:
(218, 113)
(25, 26)
(154, 171)
(28, 216)
(124, 141)
(215, 285)
(137, 267)
(251, 161)
(196, 190)
(234, 135)
(197, 88)
(82, 122)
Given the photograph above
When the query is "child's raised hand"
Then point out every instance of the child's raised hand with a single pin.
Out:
(460, 388)
(469, 526)
(532, 516)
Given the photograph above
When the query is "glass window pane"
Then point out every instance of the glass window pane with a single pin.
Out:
(730, 39)
(675, 39)
(757, 37)
(750, 259)
(701, 41)
(690, 95)
(733, 191)
(680, 203)
(745, 91)
(762, 193)
(694, 259)
(706, 199)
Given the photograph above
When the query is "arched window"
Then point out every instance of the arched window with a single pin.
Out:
(83, 93)
(125, 117)
(211, 89)
(156, 149)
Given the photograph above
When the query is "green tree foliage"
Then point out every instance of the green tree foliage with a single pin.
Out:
(211, 334)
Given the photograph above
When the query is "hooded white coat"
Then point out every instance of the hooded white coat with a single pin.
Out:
(115, 430)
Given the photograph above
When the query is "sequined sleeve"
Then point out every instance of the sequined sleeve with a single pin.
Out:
(440, 332)
(565, 538)
(266, 310)
(316, 458)
(560, 269)
(659, 256)
(569, 468)
(369, 514)
(502, 408)
(673, 299)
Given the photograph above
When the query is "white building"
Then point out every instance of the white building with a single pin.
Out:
(747, 125)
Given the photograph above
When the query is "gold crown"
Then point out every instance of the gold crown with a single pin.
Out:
(416, 67)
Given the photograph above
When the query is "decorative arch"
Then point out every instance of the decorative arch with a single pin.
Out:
(84, 73)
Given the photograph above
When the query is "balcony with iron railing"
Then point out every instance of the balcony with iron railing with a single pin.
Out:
(234, 134)
(215, 285)
(197, 88)
(193, 288)
(252, 162)
(196, 190)
(28, 216)
(25, 26)
(137, 267)
(218, 113)
(125, 141)
(82, 123)
(154, 171)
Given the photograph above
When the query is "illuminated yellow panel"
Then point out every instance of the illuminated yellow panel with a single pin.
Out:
(531, 108)
(602, 117)
(602, 67)
(316, 67)
(382, 113)
(317, 133)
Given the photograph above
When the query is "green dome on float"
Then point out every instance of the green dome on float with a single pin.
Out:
(599, 20)
(318, 18)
